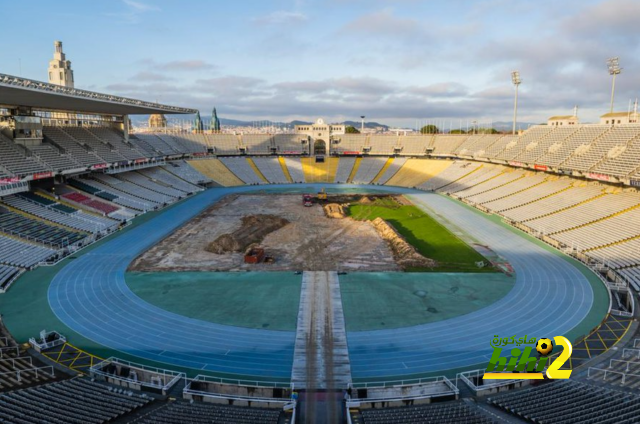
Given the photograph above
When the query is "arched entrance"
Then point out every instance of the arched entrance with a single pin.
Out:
(319, 147)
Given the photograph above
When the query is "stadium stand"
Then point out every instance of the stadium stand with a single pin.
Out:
(368, 169)
(481, 145)
(156, 186)
(484, 173)
(117, 140)
(8, 274)
(571, 401)
(290, 144)
(111, 194)
(14, 159)
(445, 145)
(349, 143)
(535, 192)
(449, 412)
(383, 144)
(31, 229)
(560, 152)
(414, 145)
(223, 144)
(417, 171)
(173, 143)
(534, 149)
(534, 135)
(90, 203)
(72, 218)
(257, 144)
(200, 413)
(294, 166)
(519, 184)
(586, 156)
(142, 145)
(320, 172)
(242, 169)
(155, 143)
(621, 161)
(217, 171)
(344, 169)
(161, 176)
(80, 153)
(456, 171)
(53, 158)
(271, 169)
(119, 184)
(23, 254)
(72, 401)
(103, 150)
(507, 176)
(388, 172)
(186, 172)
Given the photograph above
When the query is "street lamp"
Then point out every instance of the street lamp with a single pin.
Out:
(362, 126)
(614, 69)
(515, 79)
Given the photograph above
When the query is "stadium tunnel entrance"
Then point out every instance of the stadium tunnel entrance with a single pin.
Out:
(319, 147)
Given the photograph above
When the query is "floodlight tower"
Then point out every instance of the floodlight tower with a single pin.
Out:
(515, 79)
(362, 126)
(614, 69)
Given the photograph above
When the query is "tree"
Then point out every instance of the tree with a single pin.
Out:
(351, 130)
(457, 132)
(429, 129)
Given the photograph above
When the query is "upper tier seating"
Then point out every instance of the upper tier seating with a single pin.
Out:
(88, 202)
(257, 144)
(104, 150)
(224, 144)
(116, 139)
(383, 144)
(291, 144)
(414, 144)
(444, 144)
(14, 159)
(569, 401)
(83, 155)
(350, 143)
(50, 155)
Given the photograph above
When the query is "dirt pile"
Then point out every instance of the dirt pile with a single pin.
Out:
(405, 255)
(334, 210)
(253, 230)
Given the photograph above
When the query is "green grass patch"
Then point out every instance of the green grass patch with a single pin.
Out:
(424, 233)
(267, 300)
(377, 300)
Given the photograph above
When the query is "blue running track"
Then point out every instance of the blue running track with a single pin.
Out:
(90, 296)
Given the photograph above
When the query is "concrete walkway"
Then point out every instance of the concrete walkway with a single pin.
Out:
(321, 357)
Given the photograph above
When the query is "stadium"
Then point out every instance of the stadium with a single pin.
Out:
(180, 274)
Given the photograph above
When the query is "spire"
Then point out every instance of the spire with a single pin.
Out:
(197, 122)
(215, 122)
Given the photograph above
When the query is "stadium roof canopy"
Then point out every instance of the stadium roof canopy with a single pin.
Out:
(16, 91)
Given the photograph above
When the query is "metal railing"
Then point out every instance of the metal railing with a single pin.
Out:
(47, 370)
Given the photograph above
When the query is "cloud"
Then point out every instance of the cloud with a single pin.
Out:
(133, 12)
(150, 76)
(187, 65)
(281, 17)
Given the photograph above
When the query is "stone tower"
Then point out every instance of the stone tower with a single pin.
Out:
(60, 72)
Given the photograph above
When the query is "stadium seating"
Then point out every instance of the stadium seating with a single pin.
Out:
(241, 168)
(445, 145)
(257, 144)
(445, 413)
(113, 195)
(383, 144)
(71, 401)
(23, 254)
(51, 156)
(224, 144)
(271, 169)
(77, 220)
(290, 144)
(369, 168)
(80, 153)
(14, 159)
(31, 229)
(116, 139)
(350, 143)
(455, 172)
(7, 275)
(571, 402)
(294, 166)
(344, 169)
(536, 135)
(216, 171)
(186, 172)
(103, 150)
(417, 171)
(90, 203)
(162, 177)
(414, 144)
(156, 144)
(559, 152)
(200, 413)
(386, 173)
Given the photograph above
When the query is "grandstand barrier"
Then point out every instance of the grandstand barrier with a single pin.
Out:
(630, 352)
(136, 376)
(594, 372)
(7, 188)
(38, 371)
(7, 351)
(475, 381)
(134, 167)
(48, 340)
(5, 287)
(388, 394)
(208, 389)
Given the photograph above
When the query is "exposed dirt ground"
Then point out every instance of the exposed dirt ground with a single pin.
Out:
(310, 241)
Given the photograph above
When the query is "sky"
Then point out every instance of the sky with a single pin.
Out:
(399, 62)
